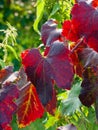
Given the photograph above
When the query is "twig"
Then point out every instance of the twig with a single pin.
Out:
(77, 45)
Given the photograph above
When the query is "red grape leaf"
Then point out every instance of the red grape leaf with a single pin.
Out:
(8, 94)
(22, 78)
(57, 65)
(87, 1)
(95, 3)
(78, 68)
(4, 73)
(6, 127)
(84, 23)
(67, 127)
(51, 106)
(89, 90)
(18, 77)
(69, 31)
(88, 57)
(29, 106)
(49, 32)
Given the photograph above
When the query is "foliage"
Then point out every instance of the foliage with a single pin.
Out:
(56, 85)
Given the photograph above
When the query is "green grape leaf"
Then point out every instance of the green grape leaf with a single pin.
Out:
(14, 123)
(37, 125)
(72, 103)
(39, 14)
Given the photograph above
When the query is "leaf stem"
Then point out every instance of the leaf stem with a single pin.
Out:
(77, 45)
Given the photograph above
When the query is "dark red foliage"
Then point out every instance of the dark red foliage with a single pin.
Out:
(57, 65)
(49, 32)
(8, 94)
(84, 23)
(88, 57)
(6, 72)
(51, 106)
(89, 85)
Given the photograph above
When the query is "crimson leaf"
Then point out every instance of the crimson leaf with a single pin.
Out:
(8, 94)
(84, 23)
(57, 65)
(95, 3)
(29, 106)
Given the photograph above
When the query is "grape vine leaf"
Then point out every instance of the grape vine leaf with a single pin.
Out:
(36, 125)
(89, 85)
(8, 107)
(51, 106)
(4, 73)
(67, 127)
(87, 1)
(41, 71)
(29, 106)
(84, 23)
(50, 32)
(95, 3)
(72, 103)
(39, 14)
(88, 57)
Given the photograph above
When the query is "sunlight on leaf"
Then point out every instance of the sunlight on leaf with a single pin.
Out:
(13, 51)
(55, 9)
(39, 14)
(72, 103)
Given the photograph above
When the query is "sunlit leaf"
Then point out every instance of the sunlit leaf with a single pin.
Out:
(36, 125)
(13, 51)
(29, 106)
(84, 23)
(95, 3)
(72, 103)
(55, 9)
(39, 14)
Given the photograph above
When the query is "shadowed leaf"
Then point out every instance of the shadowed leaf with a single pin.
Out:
(89, 90)
(8, 94)
(49, 32)
(57, 65)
